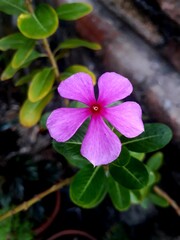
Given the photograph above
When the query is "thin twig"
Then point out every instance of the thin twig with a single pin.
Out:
(171, 202)
(26, 205)
(51, 57)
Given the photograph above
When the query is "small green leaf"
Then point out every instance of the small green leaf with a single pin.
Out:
(13, 41)
(22, 54)
(75, 69)
(30, 112)
(41, 84)
(14, 7)
(76, 42)
(155, 137)
(73, 11)
(40, 24)
(139, 156)
(119, 195)
(158, 200)
(71, 149)
(88, 186)
(155, 161)
(133, 175)
(8, 72)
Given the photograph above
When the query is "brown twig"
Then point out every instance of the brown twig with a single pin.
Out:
(171, 202)
(25, 205)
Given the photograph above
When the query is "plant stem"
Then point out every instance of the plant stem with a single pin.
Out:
(51, 57)
(25, 205)
(171, 202)
(46, 45)
(29, 6)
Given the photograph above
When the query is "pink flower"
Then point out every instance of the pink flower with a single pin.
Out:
(100, 144)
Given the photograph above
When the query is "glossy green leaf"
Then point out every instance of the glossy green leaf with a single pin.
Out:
(71, 149)
(22, 54)
(13, 41)
(135, 197)
(75, 69)
(76, 42)
(30, 112)
(41, 24)
(155, 137)
(14, 7)
(123, 158)
(158, 200)
(133, 175)
(41, 84)
(73, 11)
(119, 195)
(155, 161)
(88, 186)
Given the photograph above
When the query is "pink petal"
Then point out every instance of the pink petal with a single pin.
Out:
(64, 122)
(78, 87)
(113, 87)
(100, 145)
(126, 118)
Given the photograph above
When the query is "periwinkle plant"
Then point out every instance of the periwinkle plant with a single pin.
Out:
(116, 162)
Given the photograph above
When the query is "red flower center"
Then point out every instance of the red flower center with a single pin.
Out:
(95, 108)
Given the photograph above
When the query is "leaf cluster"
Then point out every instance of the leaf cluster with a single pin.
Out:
(30, 46)
(128, 180)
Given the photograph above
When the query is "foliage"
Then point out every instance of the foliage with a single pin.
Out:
(127, 180)
(30, 46)
(15, 229)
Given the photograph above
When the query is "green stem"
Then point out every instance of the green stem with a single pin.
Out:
(51, 57)
(26, 205)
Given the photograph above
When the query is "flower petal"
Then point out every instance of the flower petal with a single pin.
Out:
(100, 145)
(113, 87)
(64, 122)
(126, 118)
(78, 87)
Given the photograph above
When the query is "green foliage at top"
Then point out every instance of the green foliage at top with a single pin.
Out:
(14, 7)
(73, 11)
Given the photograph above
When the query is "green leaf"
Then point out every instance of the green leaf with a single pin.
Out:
(155, 137)
(88, 186)
(158, 200)
(22, 54)
(41, 84)
(71, 149)
(75, 69)
(14, 7)
(76, 42)
(119, 195)
(123, 158)
(133, 175)
(40, 24)
(13, 41)
(155, 161)
(8, 72)
(30, 112)
(139, 156)
(73, 11)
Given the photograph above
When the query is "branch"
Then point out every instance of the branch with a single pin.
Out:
(51, 57)
(171, 202)
(26, 205)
